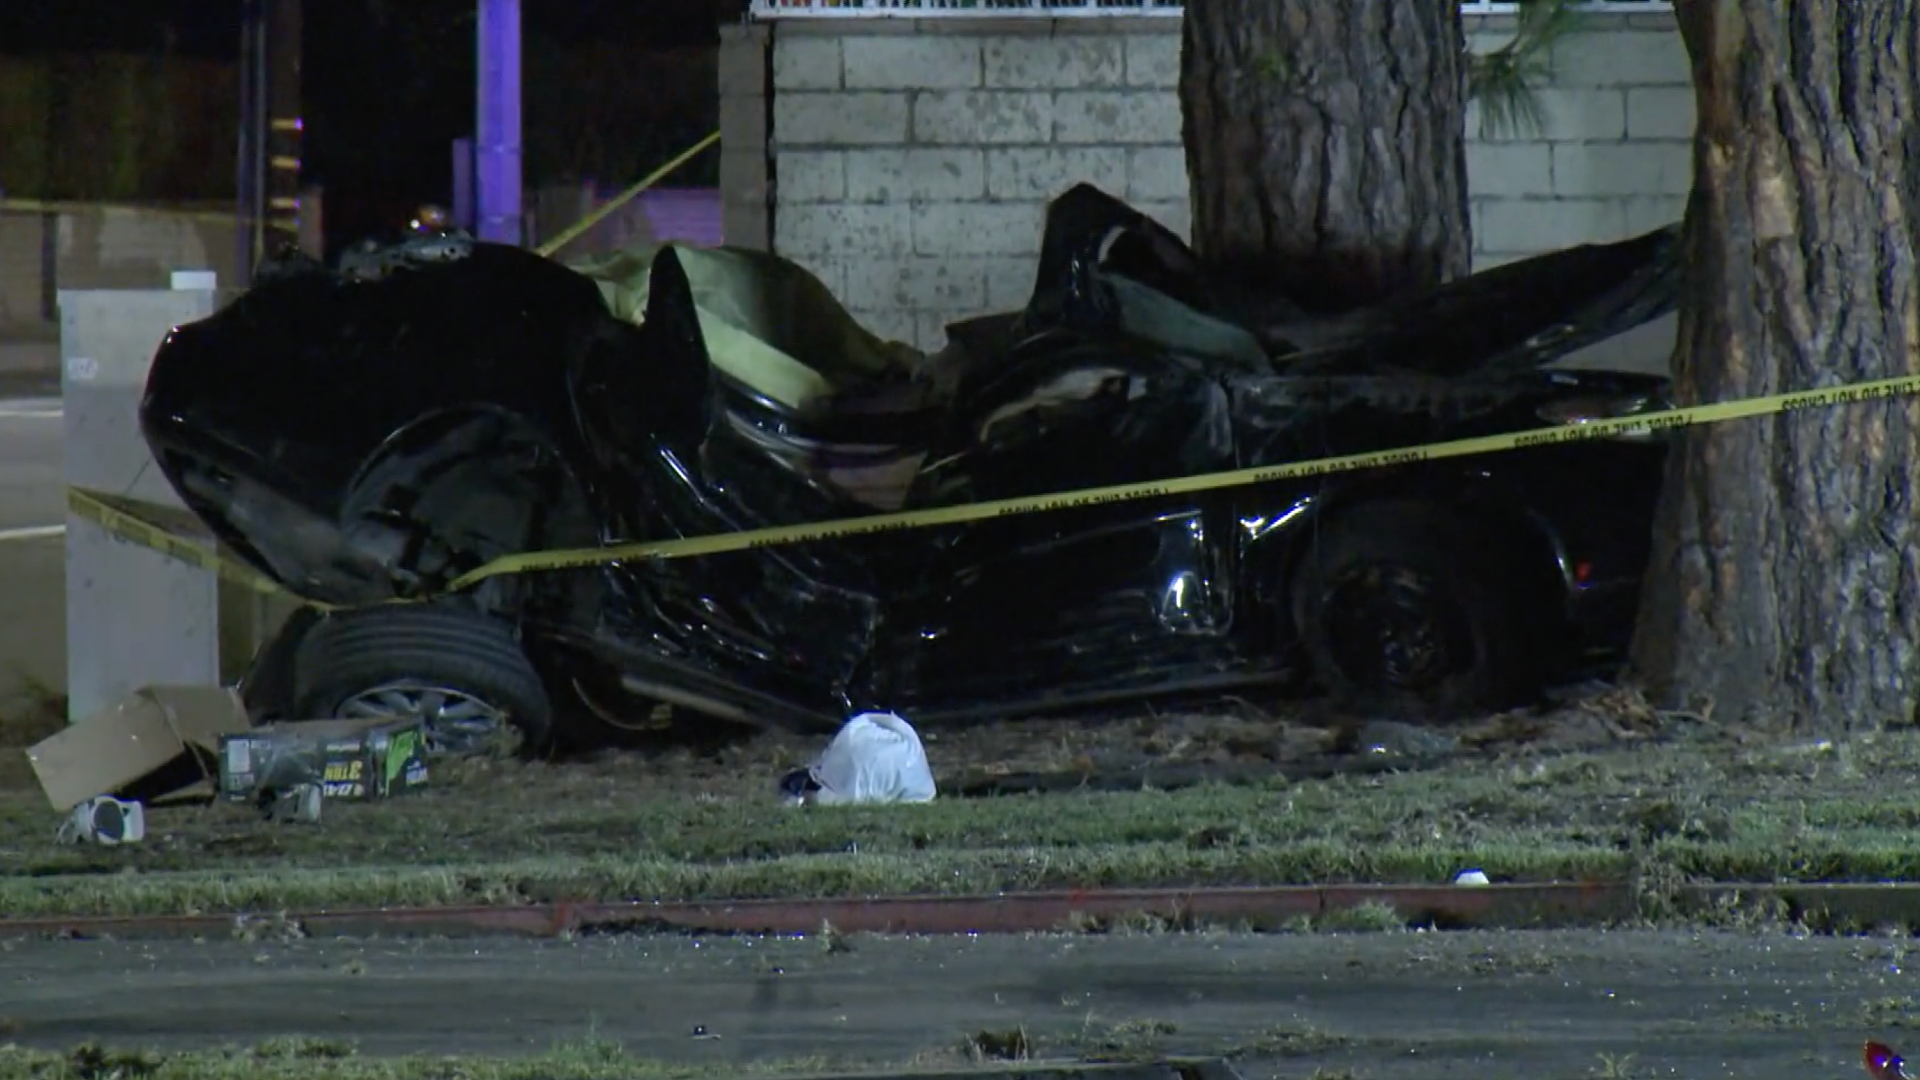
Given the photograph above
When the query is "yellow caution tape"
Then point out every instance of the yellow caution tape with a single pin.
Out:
(129, 525)
(125, 520)
(574, 231)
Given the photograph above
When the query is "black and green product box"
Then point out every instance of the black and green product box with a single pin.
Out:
(345, 759)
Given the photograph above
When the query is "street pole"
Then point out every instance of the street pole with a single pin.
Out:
(249, 198)
(284, 124)
(501, 210)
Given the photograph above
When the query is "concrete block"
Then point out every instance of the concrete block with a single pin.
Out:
(917, 281)
(977, 117)
(1108, 116)
(134, 617)
(811, 176)
(1500, 26)
(1484, 39)
(1044, 172)
(912, 63)
(1660, 112)
(1656, 212)
(746, 225)
(1622, 168)
(944, 229)
(824, 229)
(1175, 214)
(892, 324)
(1010, 281)
(1533, 226)
(1618, 57)
(1072, 60)
(743, 176)
(817, 119)
(1153, 59)
(1509, 169)
(805, 62)
(930, 329)
(1482, 262)
(743, 122)
(829, 269)
(1576, 115)
(1157, 172)
(1567, 116)
(855, 32)
(743, 60)
(916, 175)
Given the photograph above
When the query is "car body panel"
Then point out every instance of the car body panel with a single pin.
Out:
(361, 439)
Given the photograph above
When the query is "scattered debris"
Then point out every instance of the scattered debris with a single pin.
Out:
(1011, 1045)
(301, 803)
(281, 927)
(1388, 738)
(287, 770)
(158, 739)
(874, 758)
(104, 820)
(833, 940)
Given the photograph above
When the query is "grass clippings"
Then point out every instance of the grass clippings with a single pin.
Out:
(708, 825)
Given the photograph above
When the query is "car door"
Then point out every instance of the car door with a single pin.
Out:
(791, 623)
(1066, 602)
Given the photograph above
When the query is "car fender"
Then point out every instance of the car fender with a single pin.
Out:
(1272, 557)
(468, 483)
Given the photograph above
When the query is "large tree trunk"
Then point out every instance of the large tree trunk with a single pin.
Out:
(1786, 573)
(1326, 144)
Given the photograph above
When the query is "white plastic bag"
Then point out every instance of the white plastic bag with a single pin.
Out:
(873, 758)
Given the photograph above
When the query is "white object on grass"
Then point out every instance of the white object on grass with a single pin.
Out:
(1471, 877)
(873, 758)
(104, 820)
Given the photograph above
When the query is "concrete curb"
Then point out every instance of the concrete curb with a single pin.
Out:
(1446, 907)
(1265, 908)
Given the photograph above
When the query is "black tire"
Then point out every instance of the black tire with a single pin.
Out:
(461, 650)
(1384, 582)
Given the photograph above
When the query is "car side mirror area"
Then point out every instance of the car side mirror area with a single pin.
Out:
(1087, 305)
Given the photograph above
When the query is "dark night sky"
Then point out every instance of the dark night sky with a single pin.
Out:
(388, 84)
(208, 27)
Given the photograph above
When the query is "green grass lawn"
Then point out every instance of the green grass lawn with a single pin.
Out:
(692, 827)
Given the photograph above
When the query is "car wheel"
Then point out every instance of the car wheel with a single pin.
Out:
(461, 671)
(1403, 610)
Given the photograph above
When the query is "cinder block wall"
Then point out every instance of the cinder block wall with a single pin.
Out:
(908, 162)
(102, 248)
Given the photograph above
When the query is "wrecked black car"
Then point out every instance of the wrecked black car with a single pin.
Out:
(367, 434)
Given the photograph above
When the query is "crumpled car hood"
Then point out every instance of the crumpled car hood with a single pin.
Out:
(1511, 318)
(767, 322)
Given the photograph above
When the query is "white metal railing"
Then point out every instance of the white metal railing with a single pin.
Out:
(1055, 9)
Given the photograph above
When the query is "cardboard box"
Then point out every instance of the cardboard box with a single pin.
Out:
(156, 743)
(346, 759)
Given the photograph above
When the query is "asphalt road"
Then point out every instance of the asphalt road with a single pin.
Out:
(1408, 1005)
(32, 593)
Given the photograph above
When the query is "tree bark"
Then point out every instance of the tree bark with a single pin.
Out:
(1326, 144)
(1786, 575)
